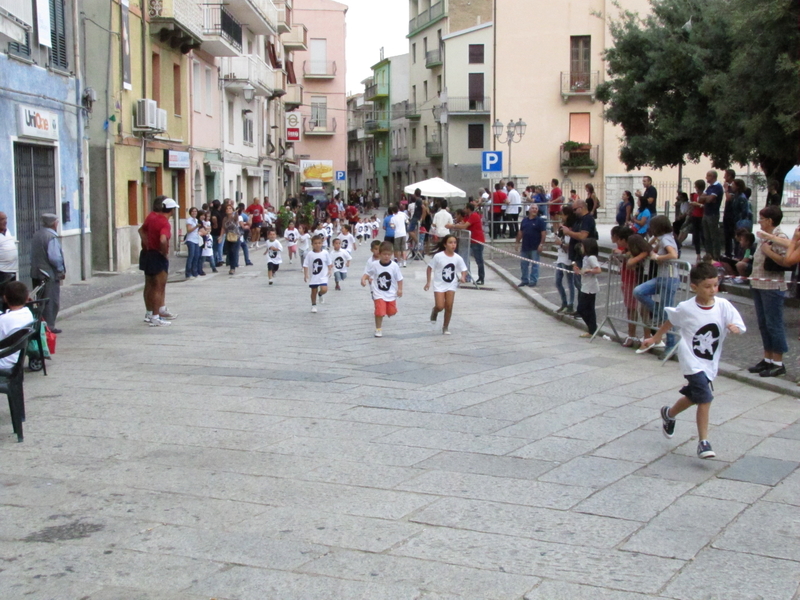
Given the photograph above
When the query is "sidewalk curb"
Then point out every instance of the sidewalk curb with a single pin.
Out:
(780, 386)
(95, 302)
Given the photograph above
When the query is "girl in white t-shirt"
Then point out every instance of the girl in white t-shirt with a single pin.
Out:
(303, 242)
(207, 253)
(590, 285)
(447, 268)
(291, 235)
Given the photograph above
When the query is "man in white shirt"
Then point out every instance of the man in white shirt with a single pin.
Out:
(9, 254)
(440, 220)
(513, 206)
(398, 225)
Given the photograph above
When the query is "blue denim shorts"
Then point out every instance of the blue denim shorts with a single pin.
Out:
(698, 388)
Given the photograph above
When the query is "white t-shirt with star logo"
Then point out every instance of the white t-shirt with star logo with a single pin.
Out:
(384, 280)
(446, 271)
(340, 259)
(702, 332)
(317, 264)
(274, 250)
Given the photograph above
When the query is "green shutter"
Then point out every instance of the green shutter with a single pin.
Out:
(58, 35)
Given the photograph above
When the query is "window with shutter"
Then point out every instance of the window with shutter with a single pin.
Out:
(475, 136)
(476, 90)
(18, 49)
(476, 54)
(58, 35)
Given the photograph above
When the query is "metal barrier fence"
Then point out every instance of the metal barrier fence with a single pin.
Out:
(660, 285)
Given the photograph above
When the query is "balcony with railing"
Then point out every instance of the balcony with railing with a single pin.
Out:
(240, 71)
(353, 165)
(434, 149)
(319, 69)
(575, 156)
(577, 84)
(377, 122)
(297, 38)
(376, 90)
(319, 126)
(284, 15)
(222, 33)
(260, 16)
(471, 107)
(426, 18)
(177, 23)
(433, 58)
(294, 96)
(400, 154)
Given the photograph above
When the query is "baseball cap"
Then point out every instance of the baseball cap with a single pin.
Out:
(169, 203)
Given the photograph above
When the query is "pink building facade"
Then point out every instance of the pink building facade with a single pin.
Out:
(321, 70)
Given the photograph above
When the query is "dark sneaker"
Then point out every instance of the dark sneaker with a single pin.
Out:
(562, 309)
(763, 365)
(704, 449)
(668, 423)
(773, 371)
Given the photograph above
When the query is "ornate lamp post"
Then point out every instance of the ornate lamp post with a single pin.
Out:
(514, 133)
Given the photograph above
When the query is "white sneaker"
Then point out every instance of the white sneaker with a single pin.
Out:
(378, 333)
(433, 325)
(159, 322)
(445, 332)
(322, 299)
(167, 315)
(313, 308)
(147, 318)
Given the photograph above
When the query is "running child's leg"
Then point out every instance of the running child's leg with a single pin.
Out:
(449, 299)
(323, 289)
(438, 306)
(703, 411)
(313, 296)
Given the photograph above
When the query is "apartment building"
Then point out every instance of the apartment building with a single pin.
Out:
(322, 150)
(360, 149)
(430, 22)
(468, 69)
(43, 109)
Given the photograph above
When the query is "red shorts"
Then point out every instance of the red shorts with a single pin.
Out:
(384, 308)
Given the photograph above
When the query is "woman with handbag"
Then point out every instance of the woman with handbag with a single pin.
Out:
(769, 264)
(232, 231)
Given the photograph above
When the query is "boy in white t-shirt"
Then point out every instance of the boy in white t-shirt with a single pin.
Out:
(274, 250)
(386, 281)
(15, 318)
(291, 235)
(375, 248)
(347, 239)
(317, 269)
(341, 261)
(703, 322)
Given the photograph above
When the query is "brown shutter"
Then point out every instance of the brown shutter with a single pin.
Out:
(476, 87)
(290, 76)
(476, 54)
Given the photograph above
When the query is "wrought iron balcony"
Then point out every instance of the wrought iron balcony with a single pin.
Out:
(578, 83)
(426, 17)
(433, 58)
(222, 33)
(579, 157)
(376, 90)
(377, 122)
(319, 69)
(467, 106)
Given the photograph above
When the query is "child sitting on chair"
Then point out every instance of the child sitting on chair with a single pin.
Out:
(15, 318)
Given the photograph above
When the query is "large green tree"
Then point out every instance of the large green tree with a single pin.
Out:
(719, 78)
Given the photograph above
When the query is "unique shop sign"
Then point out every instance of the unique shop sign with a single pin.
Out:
(174, 159)
(34, 122)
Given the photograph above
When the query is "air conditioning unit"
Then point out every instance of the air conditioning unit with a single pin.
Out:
(161, 119)
(146, 114)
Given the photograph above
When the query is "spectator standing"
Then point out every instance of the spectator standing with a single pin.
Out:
(498, 211)
(9, 254)
(256, 214)
(640, 223)
(216, 231)
(592, 201)
(650, 195)
(712, 202)
(584, 227)
(473, 223)
(398, 224)
(194, 258)
(728, 218)
(556, 199)
(46, 255)
(154, 261)
(441, 220)
(513, 206)
(563, 262)
(531, 235)
(625, 209)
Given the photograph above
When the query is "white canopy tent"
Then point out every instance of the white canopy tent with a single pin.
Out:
(436, 188)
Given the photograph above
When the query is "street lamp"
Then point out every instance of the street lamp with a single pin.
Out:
(514, 133)
(249, 93)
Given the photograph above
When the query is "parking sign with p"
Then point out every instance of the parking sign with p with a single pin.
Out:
(492, 162)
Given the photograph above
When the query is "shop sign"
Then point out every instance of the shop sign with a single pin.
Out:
(36, 123)
(293, 122)
(174, 159)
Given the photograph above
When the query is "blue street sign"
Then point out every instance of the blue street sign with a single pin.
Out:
(341, 176)
(492, 162)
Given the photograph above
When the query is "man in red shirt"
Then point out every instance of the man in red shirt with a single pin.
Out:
(333, 209)
(474, 224)
(498, 211)
(556, 199)
(256, 212)
(351, 212)
(153, 260)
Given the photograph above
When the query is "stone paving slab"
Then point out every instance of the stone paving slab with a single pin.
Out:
(511, 460)
(757, 469)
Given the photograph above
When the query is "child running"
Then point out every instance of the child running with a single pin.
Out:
(448, 269)
(702, 322)
(274, 250)
(303, 242)
(375, 248)
(341, 261)
(590, 286)
(291, 235)
(317, 268)
(347, 239)
(386, 281)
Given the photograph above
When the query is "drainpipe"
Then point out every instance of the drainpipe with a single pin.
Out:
(76, 50)
(109, 181)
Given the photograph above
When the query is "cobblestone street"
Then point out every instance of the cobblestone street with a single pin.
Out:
(254, 450)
